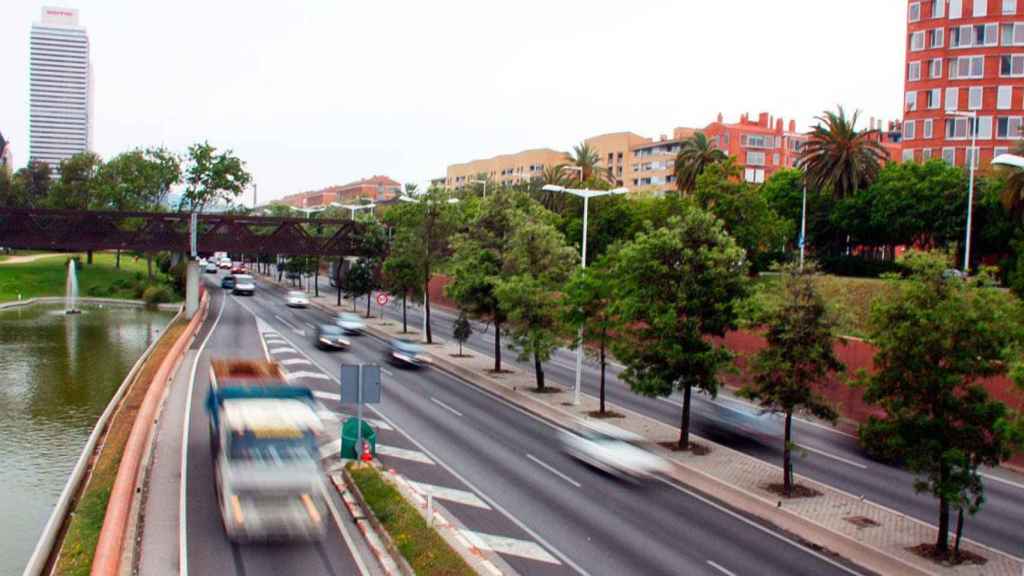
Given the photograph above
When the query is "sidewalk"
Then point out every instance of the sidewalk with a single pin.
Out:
(868, 534)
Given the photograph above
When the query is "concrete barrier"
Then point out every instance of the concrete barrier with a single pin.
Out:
(44, 548)
(109, 547)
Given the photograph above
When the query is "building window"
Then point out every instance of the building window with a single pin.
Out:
(917, 41)
(961, 37)
(911, 104)
(934, 98)
(980, 8)
(1009, 7)
(938, 8)
(936, 38)
(974, 97)
(956, 9)
(926, 128)
(755, 158)
(1011, 34)
(935, 68)
(914, 72)
(1000, 150)
(956, 128)
(760, 141)
(775, 159)
(952, 98)
(1008, 127)
(966, 67)
(915, 12)
(984, 128)
(909, 130)
(926, 154)
(754, 175)
(949, 156)
(971, 156)
(908, 155)
(1011, 65)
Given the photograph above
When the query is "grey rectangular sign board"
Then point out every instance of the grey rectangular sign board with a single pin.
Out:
(350, 384)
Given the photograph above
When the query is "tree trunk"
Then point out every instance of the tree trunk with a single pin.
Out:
(604, 364)
(369, 298)
(88, 256)
(149, 264)
(497, 346)
(426, 310)
(942, 542)
(539, 369)
(959, 534)
(684, 425)
(405, 321)
(316, 278)
(117, 258)
(337, 284)
(460, 348)
(787, 463)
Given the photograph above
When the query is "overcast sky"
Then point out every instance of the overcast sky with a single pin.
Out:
(314, 93)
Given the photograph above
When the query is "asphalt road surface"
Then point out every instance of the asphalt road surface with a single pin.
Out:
(502, 474)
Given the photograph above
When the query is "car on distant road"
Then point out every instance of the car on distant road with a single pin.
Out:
(210, 268)
(228, 282)
(224, 263)
(330, 337)
(297, 299)
(244, 285)
(614, 451)
(239, 268)
(351, 323)
(406, 353)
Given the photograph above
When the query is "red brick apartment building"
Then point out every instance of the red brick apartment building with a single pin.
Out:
(375, 189)
(964, 56)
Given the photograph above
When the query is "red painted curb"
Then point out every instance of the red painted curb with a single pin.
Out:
(107, 558)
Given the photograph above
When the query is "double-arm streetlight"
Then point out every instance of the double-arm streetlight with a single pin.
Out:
(354, 207)
(586, 195)
(973, 159)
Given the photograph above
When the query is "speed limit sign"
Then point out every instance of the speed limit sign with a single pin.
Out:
(382, 298)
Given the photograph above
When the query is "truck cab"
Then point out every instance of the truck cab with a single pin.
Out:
(268, 477)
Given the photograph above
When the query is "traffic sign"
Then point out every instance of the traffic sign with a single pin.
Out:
(382, 298)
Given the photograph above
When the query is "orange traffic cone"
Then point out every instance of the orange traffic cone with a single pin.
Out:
(366, 456)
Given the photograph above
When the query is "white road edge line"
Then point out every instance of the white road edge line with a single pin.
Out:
(552, 469)
(533, 534)
(757, 526)
(1003, 480)
(285, 322)
(832, 456)
(445, 406)
(330, 503)
(719, 567)
(183, 483)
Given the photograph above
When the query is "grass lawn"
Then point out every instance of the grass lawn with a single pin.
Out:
(79, 545)
(421, 545)
(47, 277)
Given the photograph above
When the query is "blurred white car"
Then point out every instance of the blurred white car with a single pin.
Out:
(210, 267)
(614, 451)
(351, 323)
(297, 299)
(244, 284)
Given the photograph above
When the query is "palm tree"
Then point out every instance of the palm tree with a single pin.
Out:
(587, 158)
(839, 157)
(554, 175)
(695, 154)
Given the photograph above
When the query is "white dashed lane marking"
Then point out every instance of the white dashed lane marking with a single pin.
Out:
(307, 374)
(295, 361)
(511, 546)
(403, 454)
(329, 416)
(450, 494)
(283, 349)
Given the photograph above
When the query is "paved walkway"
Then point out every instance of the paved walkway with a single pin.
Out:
(830, 514)
(29, 258)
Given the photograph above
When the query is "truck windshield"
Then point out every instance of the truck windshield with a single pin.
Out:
(270, 450)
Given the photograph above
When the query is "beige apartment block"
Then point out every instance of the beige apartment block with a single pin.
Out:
(507, 169)
(614, 151)
(651, 165)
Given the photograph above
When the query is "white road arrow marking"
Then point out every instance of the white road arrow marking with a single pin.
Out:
(450, 494)
(403, 454)
(511, 546)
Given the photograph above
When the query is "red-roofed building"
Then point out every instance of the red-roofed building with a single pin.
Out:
(376, 189)
(761, 147)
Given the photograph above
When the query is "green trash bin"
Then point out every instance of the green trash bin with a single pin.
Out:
(349, 435)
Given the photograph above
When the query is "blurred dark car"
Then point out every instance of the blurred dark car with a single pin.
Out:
(228, 283)
(406, 353)
(330, 337)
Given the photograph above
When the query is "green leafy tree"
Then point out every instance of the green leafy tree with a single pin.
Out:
(538, 265)
(610, 219)
(481, 254)
(938, 337)
(747, 216)
(77, 187)
(839, 157)
(675, 287)
(359, 281)
(30, 186)
(402, 277)
(588, 299)
(423, 230)
(799, 356)
(695, 154)
(212, 177)
(462, 329)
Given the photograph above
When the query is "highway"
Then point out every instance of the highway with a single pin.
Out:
(829, 456)
(501, 473)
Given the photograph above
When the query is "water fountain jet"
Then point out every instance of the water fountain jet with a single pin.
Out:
(71, 290)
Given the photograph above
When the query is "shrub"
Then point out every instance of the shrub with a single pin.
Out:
(859, 266)
(156, 294)
(163, 262)
(178, 274)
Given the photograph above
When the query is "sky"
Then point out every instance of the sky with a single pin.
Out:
(315, 93)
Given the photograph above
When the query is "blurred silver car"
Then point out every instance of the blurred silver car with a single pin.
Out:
(297, 299)
(351, 323)
(614, 451)
(406, 353)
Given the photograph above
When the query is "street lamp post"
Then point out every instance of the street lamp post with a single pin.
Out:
(803, 228)
(973, 126)
(586, 195)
